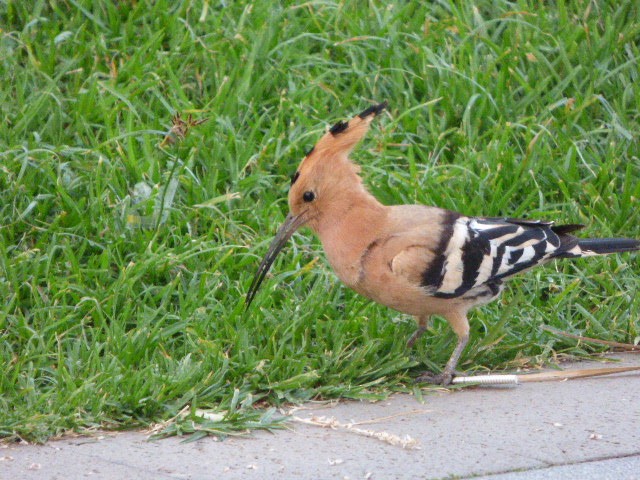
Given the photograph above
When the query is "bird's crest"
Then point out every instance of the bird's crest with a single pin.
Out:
(342, 137)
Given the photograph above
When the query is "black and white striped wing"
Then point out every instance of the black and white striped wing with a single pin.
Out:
(480, 252)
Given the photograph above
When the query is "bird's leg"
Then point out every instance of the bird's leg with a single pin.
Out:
(460, 325)
(444, 378)
(423, 322)
(416, 335)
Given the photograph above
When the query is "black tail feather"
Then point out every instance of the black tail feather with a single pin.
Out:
(602, 246)
(564, 229)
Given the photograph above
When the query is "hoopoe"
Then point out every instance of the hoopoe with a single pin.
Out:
(419, 260)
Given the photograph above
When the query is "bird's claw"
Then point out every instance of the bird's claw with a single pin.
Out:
(443, 378)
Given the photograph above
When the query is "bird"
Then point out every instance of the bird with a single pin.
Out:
(416, 259)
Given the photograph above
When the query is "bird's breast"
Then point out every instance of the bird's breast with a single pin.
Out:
(346, 240)
(343, 254)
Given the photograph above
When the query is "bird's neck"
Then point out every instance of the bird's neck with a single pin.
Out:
(348, 205)
(351, 223)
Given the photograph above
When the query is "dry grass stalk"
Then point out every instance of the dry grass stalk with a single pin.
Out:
(405, 441)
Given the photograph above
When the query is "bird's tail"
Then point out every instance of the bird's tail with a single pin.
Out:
(603, 246)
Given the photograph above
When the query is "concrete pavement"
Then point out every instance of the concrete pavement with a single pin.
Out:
(584, 428)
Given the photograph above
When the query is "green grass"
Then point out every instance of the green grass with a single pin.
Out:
(124, 261)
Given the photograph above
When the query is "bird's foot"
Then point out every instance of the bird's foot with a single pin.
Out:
(443, 378)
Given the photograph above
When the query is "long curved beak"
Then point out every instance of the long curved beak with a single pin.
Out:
(290, 225)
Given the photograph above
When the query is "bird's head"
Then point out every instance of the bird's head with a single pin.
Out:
(324, 175)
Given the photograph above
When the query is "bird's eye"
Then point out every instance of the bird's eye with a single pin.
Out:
(308, 196)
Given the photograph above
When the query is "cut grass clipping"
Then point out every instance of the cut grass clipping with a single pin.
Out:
(145, 151)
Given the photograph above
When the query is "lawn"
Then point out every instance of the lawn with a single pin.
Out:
(145, 155)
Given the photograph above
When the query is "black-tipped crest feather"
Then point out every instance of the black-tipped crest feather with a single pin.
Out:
(373, 110)
(338, 128)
